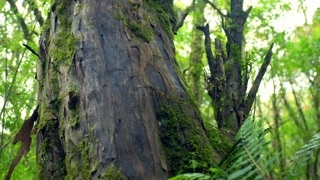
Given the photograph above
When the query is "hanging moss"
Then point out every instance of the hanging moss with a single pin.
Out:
(183, 139)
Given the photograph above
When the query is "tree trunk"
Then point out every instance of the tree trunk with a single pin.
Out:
(112, 104)
(196, 54)
(230, 70)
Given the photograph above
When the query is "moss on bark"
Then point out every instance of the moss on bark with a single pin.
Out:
(183, 138)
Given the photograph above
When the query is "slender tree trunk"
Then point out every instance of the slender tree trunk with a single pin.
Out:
(277, 122)
(197, 50)
(112, 104)
(297, 101)
(314, 91)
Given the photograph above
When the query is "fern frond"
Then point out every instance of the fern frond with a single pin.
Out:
(250, 158)
(302, 156)
(191, 176)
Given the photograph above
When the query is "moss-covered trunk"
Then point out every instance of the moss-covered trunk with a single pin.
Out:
(112, 104)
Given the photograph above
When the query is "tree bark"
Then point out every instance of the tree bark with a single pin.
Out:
(112, 103)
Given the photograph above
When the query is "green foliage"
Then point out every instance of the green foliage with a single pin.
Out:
(303, 155)
(112, 173)
(252, 157)
(18, 83)
(191, 176)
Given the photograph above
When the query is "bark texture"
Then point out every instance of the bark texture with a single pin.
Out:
(112, 104)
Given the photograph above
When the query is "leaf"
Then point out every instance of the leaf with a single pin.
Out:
(239, 173)
(303, 154)
(23, 135)
(191, 176)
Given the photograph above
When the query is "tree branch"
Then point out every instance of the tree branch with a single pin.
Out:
(254, 89)
(21, 21)
(216, 8)
(247, 12)
(30, 49)
(182, 16)
(37, 14)
(207, 45)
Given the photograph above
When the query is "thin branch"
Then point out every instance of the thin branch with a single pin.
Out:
(207, 44)
(247, 12)
(180, 20)
(216, 8)
(32, 51)
(21, 21)
(36, 12)
(181, 16)
(254, 89)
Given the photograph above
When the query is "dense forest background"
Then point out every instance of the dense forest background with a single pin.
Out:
(278, 140)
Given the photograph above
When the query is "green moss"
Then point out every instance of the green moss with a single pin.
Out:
(184, 141)
(47, 113)
(227, 67)
(61, 50)
(236, 53)
(165, 15)
(111, 173)
(63, 46)
(219, 141)
(74, 121)
(142, 32)
(78, 164)
(45, 28)
(136, 27)
(154, 13)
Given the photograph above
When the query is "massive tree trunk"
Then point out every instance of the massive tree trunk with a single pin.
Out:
(112, 104)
